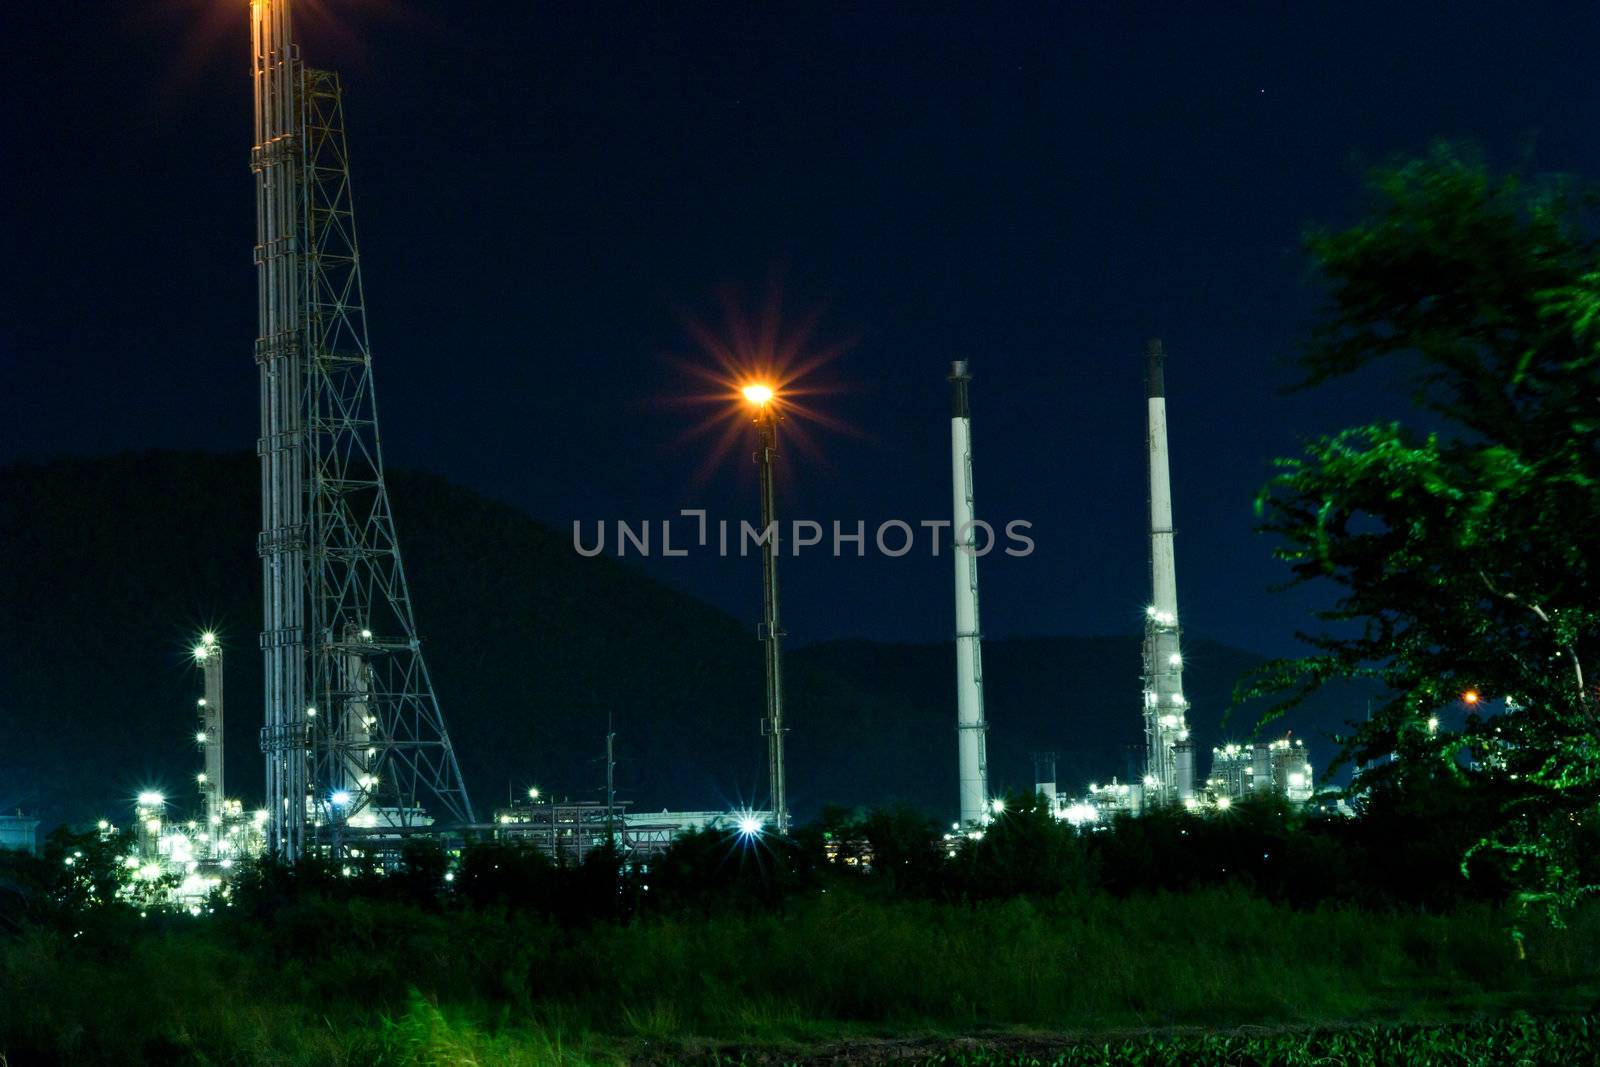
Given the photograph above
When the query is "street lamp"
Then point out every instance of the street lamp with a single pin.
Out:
(760, 396)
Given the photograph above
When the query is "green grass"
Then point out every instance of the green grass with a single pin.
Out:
(360, 982)
(1517, 1039)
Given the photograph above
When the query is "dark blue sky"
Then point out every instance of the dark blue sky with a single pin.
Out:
(544, 191)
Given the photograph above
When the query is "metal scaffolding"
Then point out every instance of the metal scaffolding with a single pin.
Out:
(354, 739)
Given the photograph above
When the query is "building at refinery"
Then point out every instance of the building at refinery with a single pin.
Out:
(18, 833)
(179, 861)
(1282, 768)
(570, 830)
(177, 857)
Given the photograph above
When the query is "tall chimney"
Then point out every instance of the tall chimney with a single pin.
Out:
(1169, 758)
(972, 758)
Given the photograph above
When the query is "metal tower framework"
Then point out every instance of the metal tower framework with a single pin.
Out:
(355, 743)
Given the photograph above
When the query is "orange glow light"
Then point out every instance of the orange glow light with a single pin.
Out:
(757, 370)
(1470, 696)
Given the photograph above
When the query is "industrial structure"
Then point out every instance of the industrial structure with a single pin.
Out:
(1281, 767)
(770, 631)
(208, 654)
(356, 749)
(570, 830)
(357, 753)
(971, 744)
(1169, 751)
(18, 833)
(178, 860)
(1044, 776)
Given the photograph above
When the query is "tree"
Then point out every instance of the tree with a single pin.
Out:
(1466, 558)
(1025, 850)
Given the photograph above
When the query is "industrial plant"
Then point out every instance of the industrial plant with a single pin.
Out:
(358, 755)
(1238, 771)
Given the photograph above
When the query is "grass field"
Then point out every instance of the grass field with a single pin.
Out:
(370, 982)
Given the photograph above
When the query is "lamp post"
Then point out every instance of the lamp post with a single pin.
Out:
(770, 632)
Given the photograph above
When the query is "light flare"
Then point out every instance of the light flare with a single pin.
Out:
(757, 364)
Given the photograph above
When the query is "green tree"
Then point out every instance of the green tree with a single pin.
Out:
(1466, 558)
(1025, 850)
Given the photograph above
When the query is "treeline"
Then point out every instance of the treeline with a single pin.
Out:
(1404, 852)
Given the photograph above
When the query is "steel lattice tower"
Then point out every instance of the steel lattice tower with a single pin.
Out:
(354, 740)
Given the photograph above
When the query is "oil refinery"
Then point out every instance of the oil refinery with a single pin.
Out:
(358, 757)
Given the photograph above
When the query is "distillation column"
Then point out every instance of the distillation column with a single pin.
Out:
(209, 655)
(1169, 759)
(971, 750)
(276, 161)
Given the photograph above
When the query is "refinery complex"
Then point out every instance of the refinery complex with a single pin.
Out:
(358, 756)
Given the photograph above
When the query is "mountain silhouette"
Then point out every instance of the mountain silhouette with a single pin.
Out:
(112, 565)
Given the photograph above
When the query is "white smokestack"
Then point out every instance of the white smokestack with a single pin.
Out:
(1169, 769)
(972, 759)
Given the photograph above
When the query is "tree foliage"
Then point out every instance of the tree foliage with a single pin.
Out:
(1466, 558)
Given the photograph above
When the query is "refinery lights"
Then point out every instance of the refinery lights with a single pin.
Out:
(757, 393)
(1082, 812)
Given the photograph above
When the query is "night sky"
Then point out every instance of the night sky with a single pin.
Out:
(547, 194)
